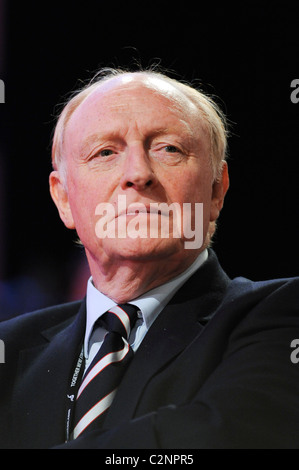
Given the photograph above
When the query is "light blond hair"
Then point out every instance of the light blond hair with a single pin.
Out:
(211, 113)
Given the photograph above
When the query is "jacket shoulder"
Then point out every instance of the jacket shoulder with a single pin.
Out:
(262, 304)
(282, 287)
(31, 323)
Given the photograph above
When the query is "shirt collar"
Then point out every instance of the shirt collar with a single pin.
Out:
(151, 303)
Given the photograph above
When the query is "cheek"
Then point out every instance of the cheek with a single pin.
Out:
(192, 186)
(83, 201)
(83, 189)
(195, 187)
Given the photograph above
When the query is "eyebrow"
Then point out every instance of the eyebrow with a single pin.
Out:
(114, 135)
(95, 138)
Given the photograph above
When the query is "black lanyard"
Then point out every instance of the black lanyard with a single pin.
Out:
(72, 393)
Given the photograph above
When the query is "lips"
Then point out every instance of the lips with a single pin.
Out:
(140, 208)
(134, 209)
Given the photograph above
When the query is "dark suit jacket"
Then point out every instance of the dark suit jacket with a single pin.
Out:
(214, 371)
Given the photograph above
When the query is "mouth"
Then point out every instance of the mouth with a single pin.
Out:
(140, 208)
(134, 210)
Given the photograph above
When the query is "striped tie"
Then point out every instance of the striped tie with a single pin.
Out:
(104, 374)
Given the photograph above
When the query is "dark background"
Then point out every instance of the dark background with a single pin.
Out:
(246, 55)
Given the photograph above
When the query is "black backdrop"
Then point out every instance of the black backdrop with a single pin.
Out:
(246, 55)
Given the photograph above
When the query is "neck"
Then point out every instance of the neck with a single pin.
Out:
(126, 280)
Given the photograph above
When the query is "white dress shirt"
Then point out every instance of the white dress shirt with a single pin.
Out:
(150, 305)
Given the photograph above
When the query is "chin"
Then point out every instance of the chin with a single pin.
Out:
(142, 249)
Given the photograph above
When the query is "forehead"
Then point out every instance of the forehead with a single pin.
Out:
(146, 100)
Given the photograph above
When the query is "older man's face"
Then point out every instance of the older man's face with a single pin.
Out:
(140, 144)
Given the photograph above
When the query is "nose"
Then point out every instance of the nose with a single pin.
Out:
(137, 170)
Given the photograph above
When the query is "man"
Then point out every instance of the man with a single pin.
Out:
(209, 357)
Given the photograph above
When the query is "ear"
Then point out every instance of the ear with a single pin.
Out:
(59, 195)
(219, 190)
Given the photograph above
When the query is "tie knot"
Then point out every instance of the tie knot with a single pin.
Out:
(121, 319)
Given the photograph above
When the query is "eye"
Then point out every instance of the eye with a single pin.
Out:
(171, 149)
(105, 153)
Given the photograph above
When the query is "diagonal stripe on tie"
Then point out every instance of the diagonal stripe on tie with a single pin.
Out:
(101, 364)
(97, 410)
(105, 373)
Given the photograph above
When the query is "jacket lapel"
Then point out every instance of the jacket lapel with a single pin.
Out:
(39, 418)
(179, 323)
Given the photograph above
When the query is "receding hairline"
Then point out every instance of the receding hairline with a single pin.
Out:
(151, 80)
(155, 81)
